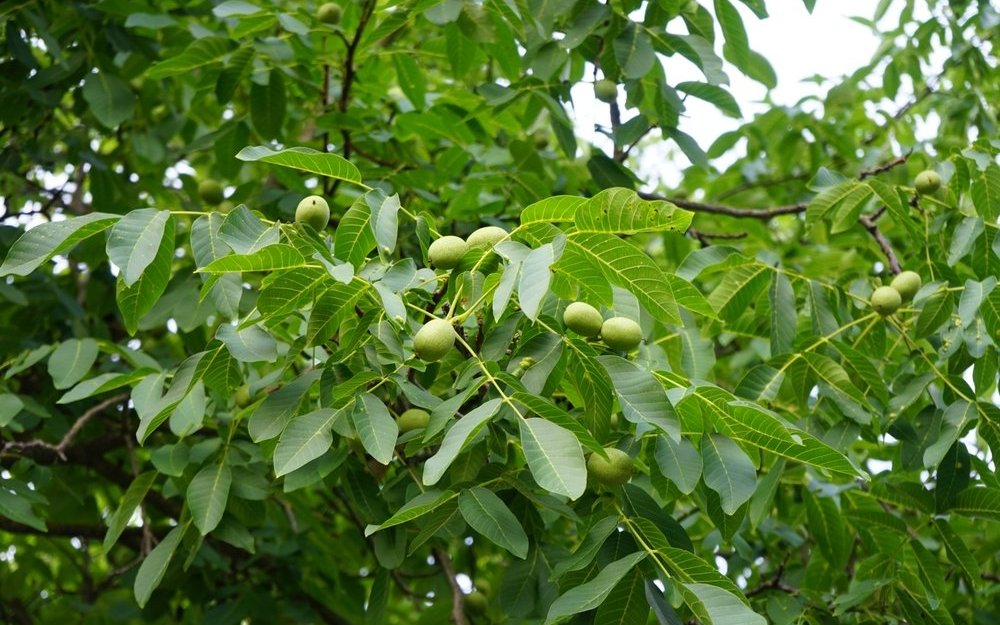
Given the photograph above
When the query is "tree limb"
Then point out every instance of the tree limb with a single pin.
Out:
(457, 596)
(35, 448)
(882, 241)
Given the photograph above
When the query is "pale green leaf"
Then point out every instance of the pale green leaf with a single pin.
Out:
(304, 159)
(489, 515)
(44, 241)
(207, 495)
(554, 457)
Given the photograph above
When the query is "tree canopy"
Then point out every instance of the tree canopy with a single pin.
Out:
(773, 400)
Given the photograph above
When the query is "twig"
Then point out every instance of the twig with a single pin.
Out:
(59, 449)
(882, 241)
(899, 160)
(457, 596)
(731, 211)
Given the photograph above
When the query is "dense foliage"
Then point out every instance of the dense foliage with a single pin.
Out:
(202, 397)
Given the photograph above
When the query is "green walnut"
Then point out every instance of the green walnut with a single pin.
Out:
(447, 252)
(583, 319)
(413, 419)
(886, 300)
(211, 192)
(614, 471)
(243, 397)
(541, 139)
(907, 283)
(477, 603)
(486, 237)
(927, 182)
(329, 13)
(434, 340)
(606, 90)
(314, 211)
(621, 333)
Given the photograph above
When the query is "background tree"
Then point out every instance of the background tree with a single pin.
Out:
(199, 392)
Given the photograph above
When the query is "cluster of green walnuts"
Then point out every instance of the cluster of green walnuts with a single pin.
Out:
(886, 300)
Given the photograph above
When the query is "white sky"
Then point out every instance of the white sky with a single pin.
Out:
(799, 45)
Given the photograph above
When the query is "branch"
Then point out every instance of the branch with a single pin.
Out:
(457, 596)
(731, 211)
(131, 536)
(40, 450)
(899, 160)
(349, 71)
(882, 241)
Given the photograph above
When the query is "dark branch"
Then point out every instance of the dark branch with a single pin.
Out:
(41, 450)
(457, 596)
(882, 241)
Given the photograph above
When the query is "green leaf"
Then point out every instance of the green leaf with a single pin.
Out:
(304, 159)
(411, 80)
(306, 438)
(634, 51)
(556, 209)
(982, 503)
(245, 233)
(551, 411)
(44, 241)
(267, 105)
(554, 457)
(728, 471)
(587, 551)
(250, 344)
(134, 241)
(277, 410)
(138, 299)
(985, 193)
(593, 593)
(456, 439)
(110, 99)
(626, 604)
(936, 310)
(716, 606)
(642, 398)
(376, 428)
(713, 94)
(270, 258)
(201, 52)
(489, 515)
(626, 266)
(71, 361)
(16, 507)
(207, 495)
(826, 524)
(739, 289)
(10, 406)
(130, 501)
(421, 505)
(354, 237)
(535, 276)
(618, 211)
(679, 461)
(154, 567)
(332, 308)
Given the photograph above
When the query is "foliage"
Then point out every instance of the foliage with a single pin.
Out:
(197, 408)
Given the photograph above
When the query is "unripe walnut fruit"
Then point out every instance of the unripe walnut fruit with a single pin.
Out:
(434, 340)
(907, 283)
(614, 471)
(413, 419)
(486, 237)
(477, 603)
(211, 192)
(329, 13)
(314, 211)
(606, 90)
(583, 319)
(621, 333)
(927, 182)
(243, 397)
(886, 300)
(447, 252)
